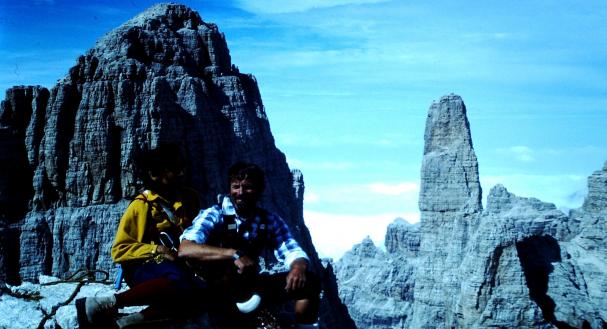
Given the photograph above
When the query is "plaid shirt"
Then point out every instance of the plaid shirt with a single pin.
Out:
(286, 249)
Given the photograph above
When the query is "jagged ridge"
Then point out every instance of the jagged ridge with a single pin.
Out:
(520, 263)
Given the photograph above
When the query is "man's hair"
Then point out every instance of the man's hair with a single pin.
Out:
(243, 170)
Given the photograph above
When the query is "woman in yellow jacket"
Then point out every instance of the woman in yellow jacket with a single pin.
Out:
(150, 268)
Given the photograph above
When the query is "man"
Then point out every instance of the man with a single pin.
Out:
(237, 231)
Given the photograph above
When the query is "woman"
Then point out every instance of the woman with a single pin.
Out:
(151, 269)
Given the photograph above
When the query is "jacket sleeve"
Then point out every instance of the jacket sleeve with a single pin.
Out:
(128, 243)
(286, 248)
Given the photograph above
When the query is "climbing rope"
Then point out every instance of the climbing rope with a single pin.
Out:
(81, 277)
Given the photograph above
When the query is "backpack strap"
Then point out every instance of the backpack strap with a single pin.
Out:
(164, 206)
(167, 238)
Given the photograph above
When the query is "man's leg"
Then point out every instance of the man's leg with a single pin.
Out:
(306, 299)
(306, 311)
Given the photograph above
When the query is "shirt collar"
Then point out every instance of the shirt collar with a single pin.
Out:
(227, 206)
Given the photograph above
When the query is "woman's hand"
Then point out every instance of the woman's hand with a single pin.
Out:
(167, 253)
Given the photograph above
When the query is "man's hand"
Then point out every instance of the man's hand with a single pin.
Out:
(244, 263)
(167, 253)
(296, 278)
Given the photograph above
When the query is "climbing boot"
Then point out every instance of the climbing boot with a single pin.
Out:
(94, 311)
(138, 321)
(130, 320)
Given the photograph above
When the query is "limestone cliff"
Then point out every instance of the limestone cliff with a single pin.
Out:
(68, 154)
(520, 263)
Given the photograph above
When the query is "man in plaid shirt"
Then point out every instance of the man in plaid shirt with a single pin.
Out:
(227, 239)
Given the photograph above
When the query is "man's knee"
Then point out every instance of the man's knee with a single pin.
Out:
(313, 283)
(310, 290)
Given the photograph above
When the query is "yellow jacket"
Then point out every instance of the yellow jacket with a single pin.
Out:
(137, 235)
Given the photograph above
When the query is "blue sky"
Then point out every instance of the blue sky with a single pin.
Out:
(347, 85)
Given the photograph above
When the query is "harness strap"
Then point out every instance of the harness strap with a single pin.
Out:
(229, 232)
(166, 208)
(168, 211)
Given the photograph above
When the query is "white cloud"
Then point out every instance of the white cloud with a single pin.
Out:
(341, 215)
(311, 198)
(315, 140)
(565, 191)
(293, 6)
(480, 37)
(322, 165)
(394, 189)
(368, 198)
(334, 234)
(520, 153)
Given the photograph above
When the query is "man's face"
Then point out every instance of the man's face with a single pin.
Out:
(244, 193)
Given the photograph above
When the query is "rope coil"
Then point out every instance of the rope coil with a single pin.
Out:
(82, 277)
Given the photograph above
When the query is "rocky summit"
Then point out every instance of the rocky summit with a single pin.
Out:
(67, 154)
(519, 263)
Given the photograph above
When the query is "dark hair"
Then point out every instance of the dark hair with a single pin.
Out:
(250, 171)
(165, 157)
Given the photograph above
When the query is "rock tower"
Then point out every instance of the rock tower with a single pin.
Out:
(68, 153)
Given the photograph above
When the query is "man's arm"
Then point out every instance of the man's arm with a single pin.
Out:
(286, 248)
(202, 252)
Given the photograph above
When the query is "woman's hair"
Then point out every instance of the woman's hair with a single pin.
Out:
(244, 170)
(165, 157)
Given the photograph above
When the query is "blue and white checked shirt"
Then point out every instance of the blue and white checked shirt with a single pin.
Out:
(286, 249)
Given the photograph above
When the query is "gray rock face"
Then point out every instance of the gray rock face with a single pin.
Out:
(164, 76)
(520, 263)
(403, 238)
(596, 201)
(20, 117)
(362, 275)
(377, 286)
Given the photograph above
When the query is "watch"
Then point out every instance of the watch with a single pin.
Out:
(237, 255)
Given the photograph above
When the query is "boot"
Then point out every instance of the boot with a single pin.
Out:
(92, 311)
(130, 320)
(139, 320)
